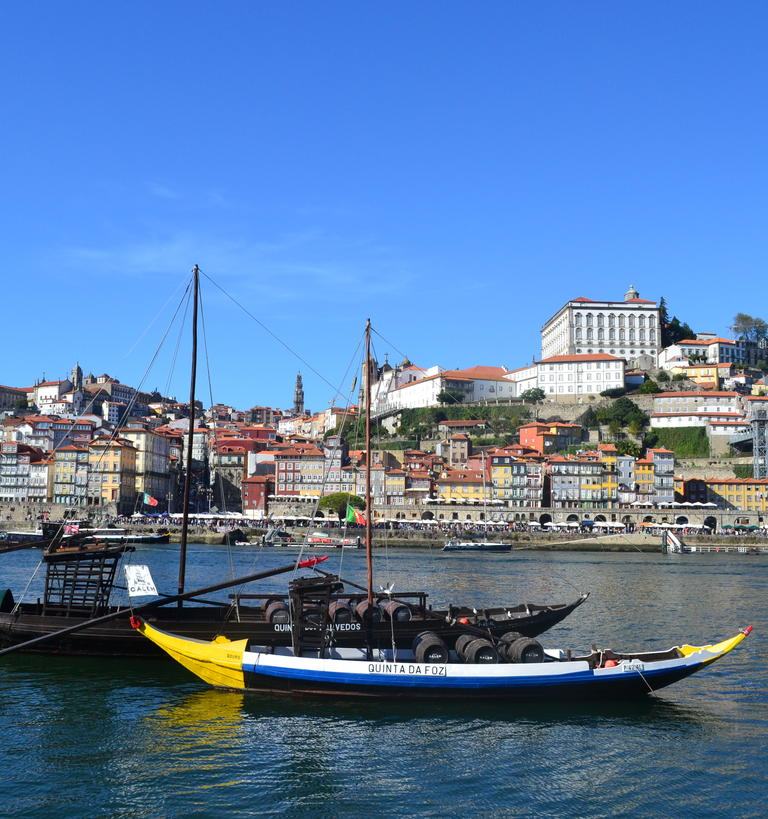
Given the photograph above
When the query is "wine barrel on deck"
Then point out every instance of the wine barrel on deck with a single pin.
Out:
(525, 650)
(277, 612)
(368, 613)
(481, 651)
(395, 611)
(429, 648)
(340, 612)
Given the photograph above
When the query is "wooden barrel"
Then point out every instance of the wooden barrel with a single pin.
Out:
(481, 651)
(525, 650)
(462, 641)
(511, 636)
(366, 613)
(277, 612)
(398, 612)
(429, 648)
(340, 612)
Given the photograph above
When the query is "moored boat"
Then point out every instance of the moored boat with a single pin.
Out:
(433, 671)
(476, 546)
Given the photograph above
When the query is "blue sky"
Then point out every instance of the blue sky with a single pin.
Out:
(456, 171)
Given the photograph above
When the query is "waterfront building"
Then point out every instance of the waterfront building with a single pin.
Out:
(463, 485)
(394, 487)
(299, 471)
(663, 475)
(517, 481)
(256, 491)
(112, 474)
(629, 329)
(41, 480)
(418, 487)
(575, 481)
(746, 494)
(16, 460)
(152, 462)
(70, 479)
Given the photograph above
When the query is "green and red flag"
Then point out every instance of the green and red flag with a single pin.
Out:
(355, 515)
(150, 501)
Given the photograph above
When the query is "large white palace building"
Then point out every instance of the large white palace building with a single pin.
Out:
(628, 329)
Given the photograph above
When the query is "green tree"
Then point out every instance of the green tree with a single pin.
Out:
(534, 395)
(628, 448)
(450, 397)
(589, 419)
(663, 377)
(338, 502)
(649, 387)
(749, 328)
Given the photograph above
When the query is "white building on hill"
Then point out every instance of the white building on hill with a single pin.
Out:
(567, 375)
(629, 329)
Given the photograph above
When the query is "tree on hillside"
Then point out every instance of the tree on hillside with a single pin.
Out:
(648, 387)
(749, 328)
(338, 502)
(534, 395)
(450, 397)
(672, 330)
(624, 411)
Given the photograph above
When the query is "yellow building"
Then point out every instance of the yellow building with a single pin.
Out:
(706, 375)
(644, 477)
(745, 494)
(463, 484)
(394, 486)
(112, 473)
(608, 458)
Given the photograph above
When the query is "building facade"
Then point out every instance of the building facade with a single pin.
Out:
(629, 329)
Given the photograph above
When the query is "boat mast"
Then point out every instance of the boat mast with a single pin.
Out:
(367, 401)
(190, 442)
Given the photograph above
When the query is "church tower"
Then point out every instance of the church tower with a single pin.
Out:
(298, 396)
(76, 377)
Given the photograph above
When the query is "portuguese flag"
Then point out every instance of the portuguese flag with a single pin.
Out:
(355, 515)
(150, 501)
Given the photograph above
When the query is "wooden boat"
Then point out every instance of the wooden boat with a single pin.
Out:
(476, 546)
(429, 670)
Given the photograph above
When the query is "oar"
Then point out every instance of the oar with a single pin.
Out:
(312, 561)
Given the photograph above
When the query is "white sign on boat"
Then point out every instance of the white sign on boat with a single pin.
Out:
(139, 581)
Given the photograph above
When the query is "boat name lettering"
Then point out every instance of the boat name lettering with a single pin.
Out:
(347, 626)
(635, 665)
(408, 668)
(282, 626)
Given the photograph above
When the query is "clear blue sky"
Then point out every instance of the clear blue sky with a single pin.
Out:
(454, 170)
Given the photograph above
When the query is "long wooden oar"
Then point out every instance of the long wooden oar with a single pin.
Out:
(304, 564)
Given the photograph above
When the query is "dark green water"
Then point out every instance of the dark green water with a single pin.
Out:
(96, 738)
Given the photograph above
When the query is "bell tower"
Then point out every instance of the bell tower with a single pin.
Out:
(298, 396)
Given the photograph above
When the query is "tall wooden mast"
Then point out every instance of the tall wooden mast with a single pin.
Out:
(368, 464)
(190, 442)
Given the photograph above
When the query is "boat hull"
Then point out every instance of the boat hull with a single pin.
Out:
(378, 674)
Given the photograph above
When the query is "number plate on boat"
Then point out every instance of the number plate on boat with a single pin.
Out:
(634, 665)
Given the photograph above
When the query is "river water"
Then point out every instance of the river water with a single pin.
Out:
(119, 738)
